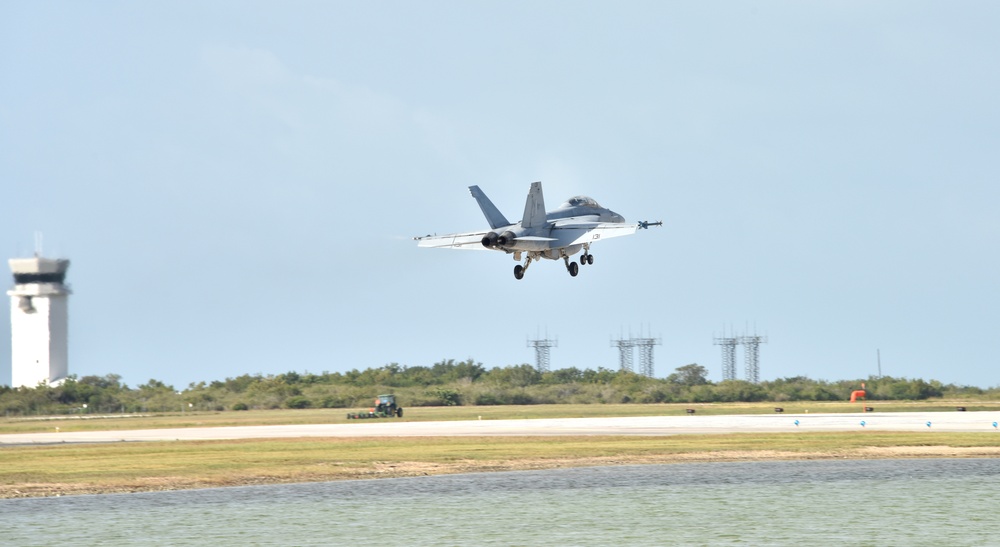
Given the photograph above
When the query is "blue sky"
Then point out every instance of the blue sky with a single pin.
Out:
(237, 183)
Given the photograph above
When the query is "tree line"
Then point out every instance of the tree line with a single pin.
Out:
(448, 383)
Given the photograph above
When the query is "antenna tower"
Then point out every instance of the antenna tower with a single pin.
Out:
(728, 344)
(542, 350)
(751, 354)
(645, 346)
(624, 353)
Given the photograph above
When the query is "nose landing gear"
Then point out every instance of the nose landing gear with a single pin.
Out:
(586, 258)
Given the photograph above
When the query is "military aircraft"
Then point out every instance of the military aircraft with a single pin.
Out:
(561, 233)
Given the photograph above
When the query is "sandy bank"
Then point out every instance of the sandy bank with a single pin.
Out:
(414, 469)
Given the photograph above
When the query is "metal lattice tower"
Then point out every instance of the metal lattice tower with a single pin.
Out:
(728, 344)
(624, 353)
(751, 354)
(645, 346)
(542, 349)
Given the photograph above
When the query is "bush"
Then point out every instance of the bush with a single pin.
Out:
(505, 397)
(489, 399)
(447, 397)
(333, 401)
(298, 401)
(240, 406)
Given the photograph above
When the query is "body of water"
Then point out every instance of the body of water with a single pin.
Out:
(936, 502)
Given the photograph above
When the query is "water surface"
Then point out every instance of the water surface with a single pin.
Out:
(870, 502)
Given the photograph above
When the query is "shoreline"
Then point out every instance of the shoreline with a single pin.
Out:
(403, 469)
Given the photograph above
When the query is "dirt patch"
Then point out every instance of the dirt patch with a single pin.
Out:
(931, 451)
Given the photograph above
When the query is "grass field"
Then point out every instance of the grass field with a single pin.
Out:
(130, 467)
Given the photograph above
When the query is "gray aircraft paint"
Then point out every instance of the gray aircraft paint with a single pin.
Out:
(561, 233)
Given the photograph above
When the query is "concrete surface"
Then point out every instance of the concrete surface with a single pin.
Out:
(648, 425)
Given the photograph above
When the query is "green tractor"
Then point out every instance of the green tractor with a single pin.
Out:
(385, 407)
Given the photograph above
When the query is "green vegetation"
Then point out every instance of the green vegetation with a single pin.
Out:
(451, 383)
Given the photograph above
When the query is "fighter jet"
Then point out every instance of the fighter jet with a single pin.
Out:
(561, 233)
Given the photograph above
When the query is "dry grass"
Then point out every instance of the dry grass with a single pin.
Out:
(132, 467)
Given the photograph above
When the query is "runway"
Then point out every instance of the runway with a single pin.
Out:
(985, 422)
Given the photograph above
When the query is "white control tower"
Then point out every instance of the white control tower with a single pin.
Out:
(38, 321)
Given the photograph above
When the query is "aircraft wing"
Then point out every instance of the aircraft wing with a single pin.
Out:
(470, 240)
(575, 233)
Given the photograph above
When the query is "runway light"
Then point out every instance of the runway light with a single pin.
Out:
(862, 423)
(928, 424)
(796, 423)
(994, 425)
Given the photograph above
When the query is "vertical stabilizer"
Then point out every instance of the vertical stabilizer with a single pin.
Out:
(493, 215)
(534, 207)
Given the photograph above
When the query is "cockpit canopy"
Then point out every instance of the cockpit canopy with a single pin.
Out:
(581, 201)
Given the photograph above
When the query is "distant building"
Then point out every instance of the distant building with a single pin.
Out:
(39, 321)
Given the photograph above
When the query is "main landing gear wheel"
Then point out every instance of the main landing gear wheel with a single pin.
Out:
(586, 259)
(518, 271)
(573, 269)
(590, 259)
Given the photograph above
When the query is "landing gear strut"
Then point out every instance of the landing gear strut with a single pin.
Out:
(571, 266)
(519, 269)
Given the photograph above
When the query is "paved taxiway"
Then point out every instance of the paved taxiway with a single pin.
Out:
(646, 425)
